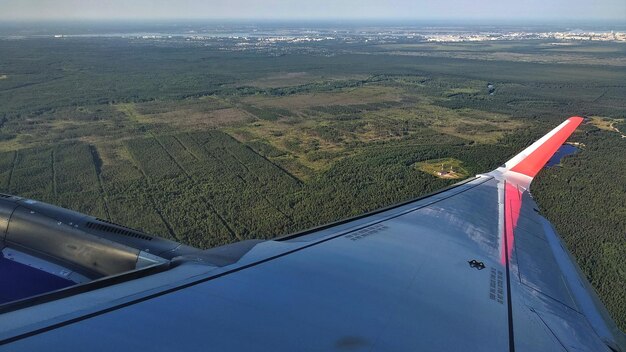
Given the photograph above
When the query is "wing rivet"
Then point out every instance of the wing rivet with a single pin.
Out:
(476, 264)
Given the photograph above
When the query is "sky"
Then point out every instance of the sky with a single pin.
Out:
(584, 10)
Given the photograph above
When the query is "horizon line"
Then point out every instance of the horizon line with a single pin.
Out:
(559, 20)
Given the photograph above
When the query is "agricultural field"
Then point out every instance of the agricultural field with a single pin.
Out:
(207, 145)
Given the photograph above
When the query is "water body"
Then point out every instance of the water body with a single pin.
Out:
(564, 150)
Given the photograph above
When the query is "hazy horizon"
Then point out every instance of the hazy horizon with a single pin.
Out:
(280, 10)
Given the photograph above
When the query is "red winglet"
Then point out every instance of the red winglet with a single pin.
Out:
(533, 158)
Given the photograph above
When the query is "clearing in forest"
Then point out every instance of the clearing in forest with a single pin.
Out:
(443, 168)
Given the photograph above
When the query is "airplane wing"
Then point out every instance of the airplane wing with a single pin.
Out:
(473, 267)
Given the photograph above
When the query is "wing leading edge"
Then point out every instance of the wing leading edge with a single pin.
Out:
(472, 267)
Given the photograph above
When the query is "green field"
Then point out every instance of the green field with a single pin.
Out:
(209, 146)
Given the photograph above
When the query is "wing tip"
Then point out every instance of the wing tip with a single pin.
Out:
(532, 159)
(576, 119)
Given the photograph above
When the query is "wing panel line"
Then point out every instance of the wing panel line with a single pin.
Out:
(510, 191)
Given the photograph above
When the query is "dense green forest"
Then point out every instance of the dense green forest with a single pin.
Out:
(586, 201)
(208, 145)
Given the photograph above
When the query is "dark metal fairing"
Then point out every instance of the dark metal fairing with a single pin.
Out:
(6, 209)
(66, 216)
(81, 243)
(48, 243)
(113, 232)
(140, 240)
(41, 235)
(88, 224)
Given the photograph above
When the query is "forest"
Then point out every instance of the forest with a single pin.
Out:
(208, 145)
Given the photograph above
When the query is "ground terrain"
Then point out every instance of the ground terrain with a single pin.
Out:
(207, 145)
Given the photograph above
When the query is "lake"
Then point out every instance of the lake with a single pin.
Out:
(564, 150)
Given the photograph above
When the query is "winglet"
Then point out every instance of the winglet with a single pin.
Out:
(533, 158)
(524, 166)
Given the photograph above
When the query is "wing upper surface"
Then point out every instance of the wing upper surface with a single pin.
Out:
(392, 281)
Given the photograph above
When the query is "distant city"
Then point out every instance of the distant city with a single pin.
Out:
(251, 34)
(381, 37)
(571, 35)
